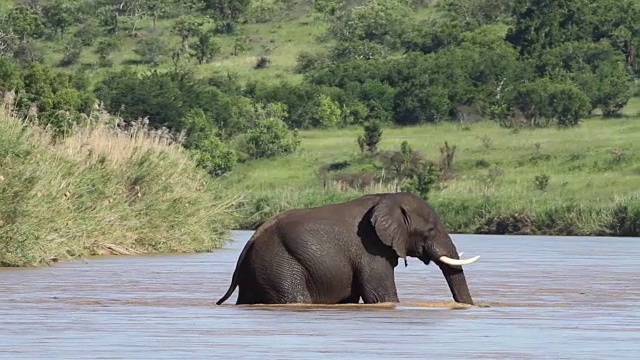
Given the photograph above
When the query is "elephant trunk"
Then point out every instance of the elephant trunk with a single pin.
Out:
(457, 284)
(445, 255)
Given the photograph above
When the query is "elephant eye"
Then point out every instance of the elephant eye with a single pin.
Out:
(430, 230)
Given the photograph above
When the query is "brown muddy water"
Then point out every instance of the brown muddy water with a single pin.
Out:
(538, 297)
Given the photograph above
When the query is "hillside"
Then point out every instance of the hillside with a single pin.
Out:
(284, 100)
(583, 181)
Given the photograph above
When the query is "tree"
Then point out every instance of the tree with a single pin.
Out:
(22, 21)
(545, 99)
(478, 12)
(212, 155)
(226, 12)
(321, 112)
(205, 48)
(371, 137)
(379, 21)
(186, 27)
(567, 104)
(544, 24)
(201, 139)
(419, 102)
(269, 135)
(105, 47)
(59, 15)
(152, 48)
(597, 69)
(10, 76)
(157, 8)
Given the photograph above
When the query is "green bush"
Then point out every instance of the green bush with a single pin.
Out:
(213, 156)
(269, 135)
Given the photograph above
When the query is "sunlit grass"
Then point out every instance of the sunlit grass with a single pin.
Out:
(591, 170)
(281, 41)
(103, 190)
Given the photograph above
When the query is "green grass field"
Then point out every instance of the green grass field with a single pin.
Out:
(280, 41)
(592, 167)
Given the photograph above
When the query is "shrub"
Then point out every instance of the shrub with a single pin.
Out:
(421, 179)
(567, 104)
(262, 62)
(545, 101)
(371, 137)
(269, 135)
(212, 155)
(541, 181)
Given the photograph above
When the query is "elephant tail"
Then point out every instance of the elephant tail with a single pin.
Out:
(236, 272)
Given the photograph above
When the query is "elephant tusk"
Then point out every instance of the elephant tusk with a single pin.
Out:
(460, 254)
(449, 261)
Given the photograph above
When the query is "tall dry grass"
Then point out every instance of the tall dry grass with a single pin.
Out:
(109, 188)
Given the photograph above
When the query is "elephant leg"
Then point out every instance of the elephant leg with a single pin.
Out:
(353, 299)
(287, 284)
(378, 285)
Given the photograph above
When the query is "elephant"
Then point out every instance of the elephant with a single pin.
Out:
(340, 253)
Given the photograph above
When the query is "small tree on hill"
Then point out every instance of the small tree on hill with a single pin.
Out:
(371, 137)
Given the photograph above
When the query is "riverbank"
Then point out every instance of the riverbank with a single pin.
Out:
(579, 181)
(104, 190)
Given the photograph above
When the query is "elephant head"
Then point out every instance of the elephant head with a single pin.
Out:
(408, 225)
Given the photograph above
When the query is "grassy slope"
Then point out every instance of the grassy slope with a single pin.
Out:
(580, 166)
(580, 163)
(286, 39)
(102, 191)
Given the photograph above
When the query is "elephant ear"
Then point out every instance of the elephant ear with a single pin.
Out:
(390, 221)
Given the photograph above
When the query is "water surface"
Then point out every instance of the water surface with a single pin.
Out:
(538, 297)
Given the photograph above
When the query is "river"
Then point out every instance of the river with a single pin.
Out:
(537, 297)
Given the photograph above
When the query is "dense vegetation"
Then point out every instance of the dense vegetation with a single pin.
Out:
(251, 86)
(103, 190)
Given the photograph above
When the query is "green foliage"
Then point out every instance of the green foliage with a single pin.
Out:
(596, 69)
(205, 48)
(371, 137)
(23, 21)
(378, 21)
(478, 12)
(212, 155)
(269, 135)
(421, 180)
(264, 11)
(152, 48)
(104, 48)
(419, 102)
(102, 191)
(544, 101)
(541, 181)
(323, 112)
(543, 24)
(188, 26)
(72, 52)
(10, 75)
(52, 98)
(567, 104)
(166, 97)
(59, 15)
(226, 11)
